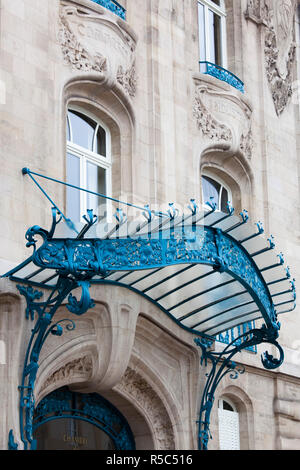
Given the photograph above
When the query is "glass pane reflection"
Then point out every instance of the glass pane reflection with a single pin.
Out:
(83, 129)
(72, 434)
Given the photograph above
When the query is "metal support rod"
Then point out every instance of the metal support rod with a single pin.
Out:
(222, 365)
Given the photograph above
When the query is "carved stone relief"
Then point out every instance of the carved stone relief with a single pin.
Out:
(208, 125)
(74, 53)
(136, 388)
(224, 117)
(95, 42)
(278, 18)
(82, 367)
(127, 78)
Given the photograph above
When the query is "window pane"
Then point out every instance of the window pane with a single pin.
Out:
(83, 129)
(201, 21)
(224, 200)
(217, 2)
(215, 38)
(210, 188)
(96, 182)
(68, 130)
(101, 142)
(73, 195)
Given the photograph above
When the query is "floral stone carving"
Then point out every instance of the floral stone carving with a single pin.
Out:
(135, 386)
(74, 52)
(209, 126)
(278, 18)
(94, 41)
(82, 366)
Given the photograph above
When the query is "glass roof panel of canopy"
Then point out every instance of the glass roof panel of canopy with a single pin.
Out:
(209, 271)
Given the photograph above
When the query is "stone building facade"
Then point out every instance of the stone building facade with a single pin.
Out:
(169, 124)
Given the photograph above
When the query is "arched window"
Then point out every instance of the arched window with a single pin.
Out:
(88, 164)
(216, 191)
(229, 429)
(212, 32)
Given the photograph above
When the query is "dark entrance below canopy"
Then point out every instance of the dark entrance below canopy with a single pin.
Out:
(66, 420)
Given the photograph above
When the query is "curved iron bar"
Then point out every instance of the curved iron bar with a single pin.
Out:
(222, 365)
(40, 332)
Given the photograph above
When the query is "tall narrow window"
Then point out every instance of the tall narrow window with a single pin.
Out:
(215, 191)
(212, 33)
(229, 429)
(88, 165)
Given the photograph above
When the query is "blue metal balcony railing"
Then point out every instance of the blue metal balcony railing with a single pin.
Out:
(230, 335)
(222, 74)
(113, 6)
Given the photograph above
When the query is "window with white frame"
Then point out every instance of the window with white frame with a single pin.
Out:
(212, 32)
(216, 191)
(229, 428)
(88, 164)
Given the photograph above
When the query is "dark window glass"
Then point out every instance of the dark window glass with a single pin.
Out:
(215, 38)
(227, 406)
(101, 142)
(224, 200)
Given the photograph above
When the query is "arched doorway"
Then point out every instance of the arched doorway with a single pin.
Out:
(66, 420)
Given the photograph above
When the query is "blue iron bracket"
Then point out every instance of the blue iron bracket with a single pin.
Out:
(222, 365)
(44, 326)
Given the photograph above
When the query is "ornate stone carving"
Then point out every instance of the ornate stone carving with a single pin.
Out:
(278, 18)
(82, 366)
(97, 42)
(136, 387)
(209, 126)
(280, 51)
(127, 79)
(246, 144)
(258, 11)
(224, 117)
(74, 53)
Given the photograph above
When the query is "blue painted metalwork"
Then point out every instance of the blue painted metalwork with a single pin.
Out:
(113, 6)
(12, 445)
(78, 262)
(222, 74)
(222, 365)
(94, 409)
(187, 244)
(231, 335)
(44, 326)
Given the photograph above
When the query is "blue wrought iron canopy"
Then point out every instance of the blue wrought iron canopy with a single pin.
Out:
(209, 271)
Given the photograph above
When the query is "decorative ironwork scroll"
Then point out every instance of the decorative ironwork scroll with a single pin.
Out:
(91, 408)
(113, 6)
(188, 244)
(222, 365)
(222, 74)
(44, 326)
